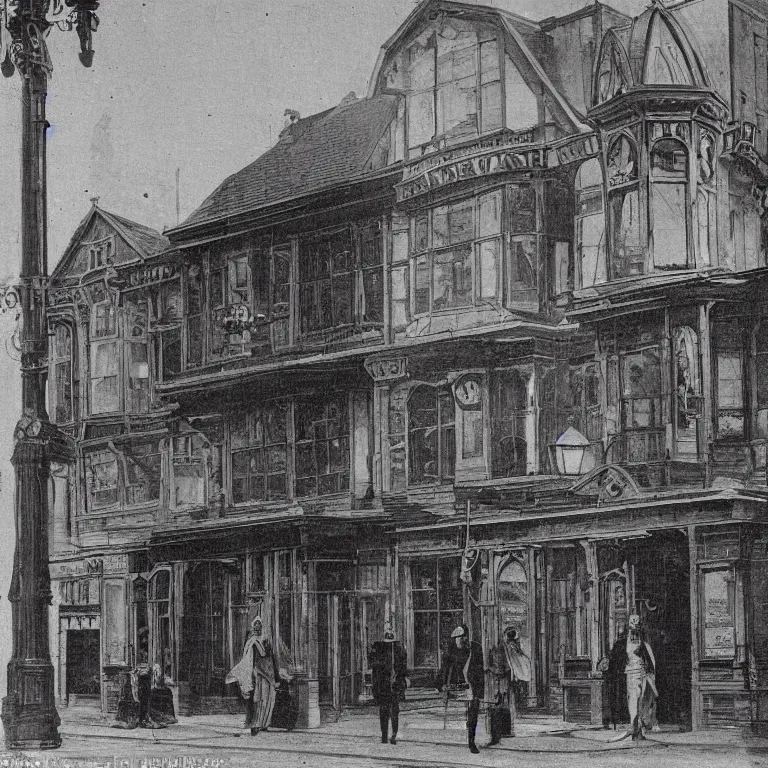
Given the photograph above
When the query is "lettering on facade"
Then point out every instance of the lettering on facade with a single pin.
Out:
(149, 275)
(453, 167)
(115, 564)
(386, 370)
(87, 567)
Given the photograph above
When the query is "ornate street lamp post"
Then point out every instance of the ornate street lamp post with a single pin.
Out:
(29, 712)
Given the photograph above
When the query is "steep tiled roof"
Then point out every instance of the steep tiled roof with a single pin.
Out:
(314, 153)
(147, 241)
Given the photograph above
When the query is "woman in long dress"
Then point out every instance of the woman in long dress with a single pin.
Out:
(255, 674)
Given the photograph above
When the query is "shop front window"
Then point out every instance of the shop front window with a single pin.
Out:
(161, 642)
(431, 435)
(438, 607)
(669, 204)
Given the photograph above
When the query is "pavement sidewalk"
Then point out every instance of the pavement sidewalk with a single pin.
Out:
(420, 730)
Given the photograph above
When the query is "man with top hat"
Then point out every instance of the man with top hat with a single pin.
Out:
(462, 669)
(389, 665)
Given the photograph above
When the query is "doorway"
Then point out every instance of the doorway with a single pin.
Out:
(650, 576)
(335, 620)
(83, 663)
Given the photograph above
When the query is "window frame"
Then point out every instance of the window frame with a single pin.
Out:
(584, 194)
(619, 188)
(518, 416)
(443, 431)
(658, 180)
(157, 617)
(66, 363)
(474, 242)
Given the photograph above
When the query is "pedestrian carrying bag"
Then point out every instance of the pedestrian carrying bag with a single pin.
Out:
(501, 720)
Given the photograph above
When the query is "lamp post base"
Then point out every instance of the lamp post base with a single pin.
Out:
(29, 715)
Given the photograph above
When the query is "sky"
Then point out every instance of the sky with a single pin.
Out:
(192, 85)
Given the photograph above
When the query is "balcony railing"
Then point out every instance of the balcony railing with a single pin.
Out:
(637, 446)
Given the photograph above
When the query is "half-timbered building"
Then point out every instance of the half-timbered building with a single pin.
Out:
(485, 345)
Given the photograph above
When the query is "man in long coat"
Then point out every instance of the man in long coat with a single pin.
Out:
(509, 663)
(255, 674)
(389, 665)
(462, 668)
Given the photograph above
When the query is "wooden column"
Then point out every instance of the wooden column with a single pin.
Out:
(696, 713)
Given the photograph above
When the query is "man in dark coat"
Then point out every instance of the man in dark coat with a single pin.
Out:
(389, 664)
(463, 669)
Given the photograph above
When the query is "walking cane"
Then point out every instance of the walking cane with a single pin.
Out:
(447, 694)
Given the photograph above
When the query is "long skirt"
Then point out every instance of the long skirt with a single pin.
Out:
(259, 703)
(641, 699)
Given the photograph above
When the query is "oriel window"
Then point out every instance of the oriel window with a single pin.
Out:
(590, 224)
(729, 362)
(627, 255)
(669, 204)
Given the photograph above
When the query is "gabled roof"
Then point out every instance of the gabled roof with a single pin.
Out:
(516, 27)
(145, 241)
(314, 153)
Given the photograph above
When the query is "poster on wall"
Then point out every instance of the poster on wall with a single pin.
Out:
(718, 615)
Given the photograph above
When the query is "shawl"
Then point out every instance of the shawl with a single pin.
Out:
(519, 663)
(242, 673)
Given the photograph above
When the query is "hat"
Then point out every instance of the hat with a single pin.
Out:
(510, 630)
(634, 621)
(389, 634)
(458, 632)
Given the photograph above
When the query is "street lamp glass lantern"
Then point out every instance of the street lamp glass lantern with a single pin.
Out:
(572, 453)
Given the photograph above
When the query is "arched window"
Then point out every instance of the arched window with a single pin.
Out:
(512, 596)
(669, 204)
(509, 400)
(64, 389)
(627, 258)
(431, 435)
(590, 224)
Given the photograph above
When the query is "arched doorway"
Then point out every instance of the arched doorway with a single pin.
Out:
(512, 597)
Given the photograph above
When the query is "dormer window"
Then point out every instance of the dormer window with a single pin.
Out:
(453, 80)
(101, 253)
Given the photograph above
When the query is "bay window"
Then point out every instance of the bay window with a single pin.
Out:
(627, 255)
(590, 224)
(101, 479)
(457, 254)
(431, 435)
(669, 204)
